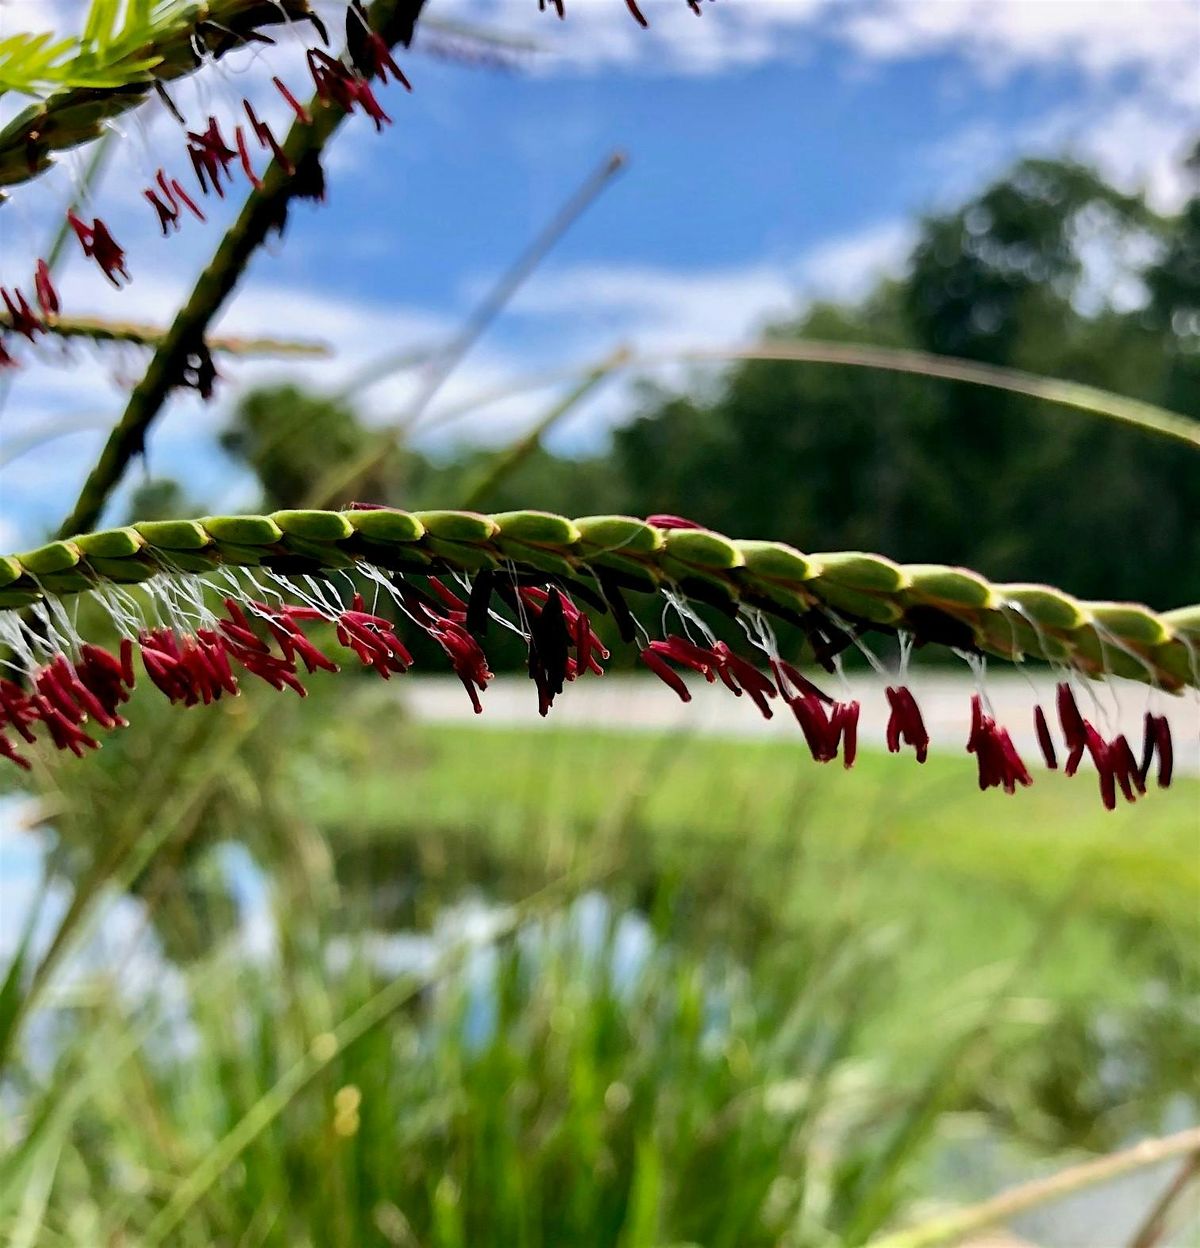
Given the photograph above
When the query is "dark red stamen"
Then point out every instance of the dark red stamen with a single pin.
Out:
(99, 244)
(21, 316)
(1045, 741)
(302, 113)
(1166, 752)
(47, 296)
(247, 168)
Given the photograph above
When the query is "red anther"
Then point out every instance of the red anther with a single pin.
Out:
(1015, 771)
(88, 702)
(1166, 752)
(216, 651)
(905, 723)
(746, 675)
(847, 714)
(819, 734)
(786, 674)
(465, 655)
(7, 359)
(102, 674)
(47, 296)
(451, 599)
(54, 682)
(99, 244)
(664, 520)
(302, 113)
(22, 317)
(292, 641)
(243, 636)
(186, 200)
(160, 179)
(266, 139)
(1125, 768)
(18, 710)
(638, 17)
(665, 672)
(127, 673)
(368, 50)
(168, 217)
(976, 735)
(64, 734)
(997, 757)
(1098, 748)
(1149, 738)
(211, 157)
(1045, 741)
(243, 152)
(236, 614)
(10, 751)
(1070, 719)
(893, 724)
(914, 726)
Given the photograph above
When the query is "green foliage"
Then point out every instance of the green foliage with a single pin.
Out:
(861, 460)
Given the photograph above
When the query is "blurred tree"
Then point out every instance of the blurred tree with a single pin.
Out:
(1049, 269)
(290, 438)
(160, 498)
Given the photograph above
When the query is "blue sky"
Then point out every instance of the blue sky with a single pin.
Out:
(779, 150)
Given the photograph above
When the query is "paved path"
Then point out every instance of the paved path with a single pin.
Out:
(945, 699)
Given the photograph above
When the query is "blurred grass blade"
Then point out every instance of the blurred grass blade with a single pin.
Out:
(953, 1228)
(370, 1015)
(1147, 417)
(32, 1213)
(98, 329)
(13, 986)
(509, 460)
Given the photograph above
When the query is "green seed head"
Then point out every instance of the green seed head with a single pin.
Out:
(458, 526)
(53, 557)
(386, 525)
(698, 548)
(1183, 621)
(314, 526)
(934, 583)
(855, 570)
(174, 534)
(243, 530)
(122, 571)
(111, 543)
(858, 602)
(1130, 622)
(778, 562)
(1047, 607)
(537, 528)
(619, 533)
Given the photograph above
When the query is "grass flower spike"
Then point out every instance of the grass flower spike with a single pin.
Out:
(209, 603)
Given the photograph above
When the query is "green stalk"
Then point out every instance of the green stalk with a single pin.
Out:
(954, 1228)
(1148, 417)
(98, 329)
(395, 21)
(508, 461)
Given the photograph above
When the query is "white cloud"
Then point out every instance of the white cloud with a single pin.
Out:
(1099, 37)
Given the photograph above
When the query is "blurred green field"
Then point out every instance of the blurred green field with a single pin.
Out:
(717, 994)
(782, 841)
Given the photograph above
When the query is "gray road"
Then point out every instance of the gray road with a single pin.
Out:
(945, 699)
